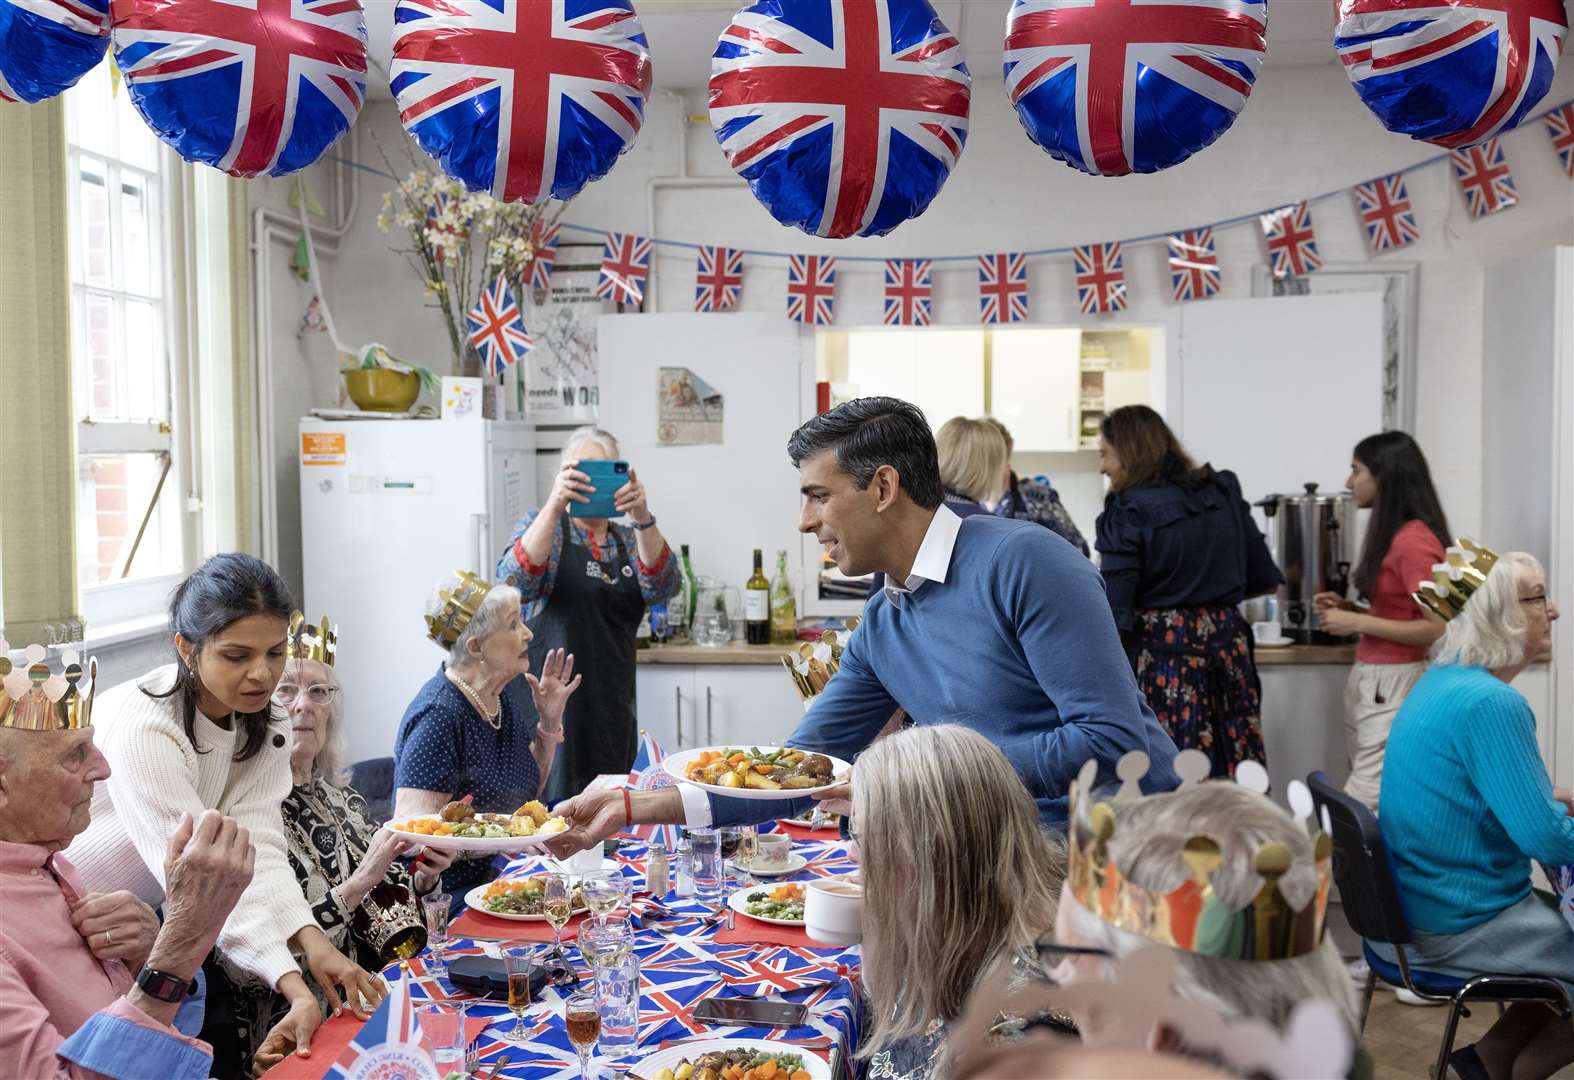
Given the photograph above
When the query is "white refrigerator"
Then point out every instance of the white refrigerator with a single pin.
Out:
(388, 509)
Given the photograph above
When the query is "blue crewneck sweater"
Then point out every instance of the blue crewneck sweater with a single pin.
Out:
(1466, 801)
(1018, 644)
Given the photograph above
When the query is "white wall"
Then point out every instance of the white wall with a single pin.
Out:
(1304, 132)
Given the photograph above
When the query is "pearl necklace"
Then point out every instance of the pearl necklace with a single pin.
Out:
(493, 716)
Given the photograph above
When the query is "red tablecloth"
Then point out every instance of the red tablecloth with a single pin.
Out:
(475, 924)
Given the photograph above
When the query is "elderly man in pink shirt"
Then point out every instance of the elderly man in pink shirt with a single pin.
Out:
(90, 984)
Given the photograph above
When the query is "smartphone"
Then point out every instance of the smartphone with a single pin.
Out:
(606, 477)
(750, 1012)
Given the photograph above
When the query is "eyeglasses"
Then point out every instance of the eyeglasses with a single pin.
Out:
(318, 694)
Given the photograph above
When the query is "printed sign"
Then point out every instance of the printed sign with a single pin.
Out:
(322, 447)
(688, 411)
(561, 378)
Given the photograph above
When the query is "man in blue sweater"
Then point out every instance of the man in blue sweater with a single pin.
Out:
(994, 624)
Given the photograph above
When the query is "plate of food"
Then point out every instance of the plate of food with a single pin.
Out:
(831, 822)
(779, 904)
(457, 827)
(731, 1059)
(518, 899)
(758, 772)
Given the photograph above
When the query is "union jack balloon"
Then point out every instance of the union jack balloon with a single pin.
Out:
(1450, 72)
(252, 87)
(47, 45)
(526, 99)
(845, 118)
(1114, 86)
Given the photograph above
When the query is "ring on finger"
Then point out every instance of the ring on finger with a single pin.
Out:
(109, 937)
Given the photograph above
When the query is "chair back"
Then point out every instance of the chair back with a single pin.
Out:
(373, 778)
(1366, 881)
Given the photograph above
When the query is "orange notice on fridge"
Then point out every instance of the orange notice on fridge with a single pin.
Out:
(322, 447)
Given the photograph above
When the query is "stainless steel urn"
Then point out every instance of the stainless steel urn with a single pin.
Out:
(1312, 537)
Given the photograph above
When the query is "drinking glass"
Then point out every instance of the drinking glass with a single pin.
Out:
(519, 961)
(443, 1026)
(583, 1020)
(731, 837)
(434, 908)
(606, 944)
(617, 1000)
(603, 892)
(705, 850)
(557, 907)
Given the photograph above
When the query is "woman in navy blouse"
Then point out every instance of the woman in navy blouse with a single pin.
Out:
(1179, 551)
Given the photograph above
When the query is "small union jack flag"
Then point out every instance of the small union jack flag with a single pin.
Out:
(1292, 243)
(647, 775)
(1560, 125)
(1484, 178)
(1386, 213)
(811, 289)
(908, 292)
(1002, 288)
(719, 279)
(625, 264)
(1194, 265)
(390, 1036)
(543, 239)
(1101, 280)
(497, 330)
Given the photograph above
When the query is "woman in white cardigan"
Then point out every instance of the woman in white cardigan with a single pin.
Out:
(200, 734)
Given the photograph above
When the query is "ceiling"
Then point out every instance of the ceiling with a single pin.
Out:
(682, 34)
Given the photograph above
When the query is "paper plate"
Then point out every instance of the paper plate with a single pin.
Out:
(677, 764)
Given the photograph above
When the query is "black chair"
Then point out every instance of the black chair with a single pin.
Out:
(373, 778)
(1375, 910)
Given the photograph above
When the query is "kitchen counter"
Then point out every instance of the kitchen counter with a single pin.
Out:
(1306, 654)
(739, 653)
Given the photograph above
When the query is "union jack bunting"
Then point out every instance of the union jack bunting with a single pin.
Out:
(497, 330)
(1101, 280)
(1560, 125)
(718, 279)
(390, 1035)
(908, 292)
(543, 238)
(811, 289)
(625, 264)
(1194, 265)
(1292, 243)
(525, 99)
(844, 118)
(1484, 178)
(1002, 288)
(1386, 213)
(277, 80)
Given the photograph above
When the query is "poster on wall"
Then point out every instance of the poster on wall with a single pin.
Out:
(688, 411)
(561, 382)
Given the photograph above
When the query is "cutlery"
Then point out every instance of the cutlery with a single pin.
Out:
(503, 1061)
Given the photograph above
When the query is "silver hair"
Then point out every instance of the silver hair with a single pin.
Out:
(330, 763)
(590, 433)
(1148, 846)
(489, 616)
(1490, 631)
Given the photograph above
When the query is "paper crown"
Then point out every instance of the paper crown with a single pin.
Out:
(1193, 917)
(319, 643)
(812, 664)
(1454, 580)
(34, 698)
(459, 606)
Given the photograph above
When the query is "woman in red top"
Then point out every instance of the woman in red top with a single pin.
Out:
(1405, 537)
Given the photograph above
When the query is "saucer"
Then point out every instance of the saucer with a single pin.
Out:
(1274, 643)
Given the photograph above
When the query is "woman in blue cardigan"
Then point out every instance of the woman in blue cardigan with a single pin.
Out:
(1467, 803)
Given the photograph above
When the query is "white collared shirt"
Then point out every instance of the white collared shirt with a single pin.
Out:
(933, 558)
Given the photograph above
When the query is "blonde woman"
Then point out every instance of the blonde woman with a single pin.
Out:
(974, 461)
(951, 882)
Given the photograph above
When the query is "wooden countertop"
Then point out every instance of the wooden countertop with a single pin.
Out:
(1307, 654)
(739, 653)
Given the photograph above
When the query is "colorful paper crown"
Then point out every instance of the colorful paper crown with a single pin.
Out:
(459, 606)
(1193, 917)
(319, 643)
(1453, 581)
(34, 698)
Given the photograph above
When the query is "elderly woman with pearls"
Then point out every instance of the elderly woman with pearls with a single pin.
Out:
(461, 735)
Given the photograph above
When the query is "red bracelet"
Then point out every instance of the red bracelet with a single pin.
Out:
(628, 810)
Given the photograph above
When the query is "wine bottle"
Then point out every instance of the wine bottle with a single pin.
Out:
(757, 605)
(680, 614)
(784, 608)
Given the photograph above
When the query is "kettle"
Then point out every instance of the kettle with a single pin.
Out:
(1312, 537)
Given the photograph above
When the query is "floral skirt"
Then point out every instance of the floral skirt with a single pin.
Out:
(1195, 667)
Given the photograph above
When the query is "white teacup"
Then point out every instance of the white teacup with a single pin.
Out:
(585, 862)
(772, 850)
(833, 911)
(1267, 631)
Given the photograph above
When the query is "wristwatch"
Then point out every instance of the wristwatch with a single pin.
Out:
(164, 986)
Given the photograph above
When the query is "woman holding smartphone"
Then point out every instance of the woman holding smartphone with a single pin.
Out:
(1405, 537)
(585, 583)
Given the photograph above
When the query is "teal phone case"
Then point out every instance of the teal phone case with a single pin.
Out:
(607, 477)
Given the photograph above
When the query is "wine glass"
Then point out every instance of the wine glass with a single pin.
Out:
(748, 848)
(557, 907)
(435, 910)
(603, 892)
(583, 1020)
(519, 962)
(731, 838)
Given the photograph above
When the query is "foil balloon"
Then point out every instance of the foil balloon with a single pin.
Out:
(254, 90)
(1111, 87)
(1451, 72)
(845, 119)
(525, 99)
(47, 45)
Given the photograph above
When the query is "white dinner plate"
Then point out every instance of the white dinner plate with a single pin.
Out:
(739, 902)
(673, 1056)
(830, 824)
(677, 765)
(464, 843)
(795, 863)
(473, 901)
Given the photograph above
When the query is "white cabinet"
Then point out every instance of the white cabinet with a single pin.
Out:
(1036, 386)
(686, 705)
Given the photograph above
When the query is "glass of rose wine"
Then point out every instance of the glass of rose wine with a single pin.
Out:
(583, 1019)
(518, 963)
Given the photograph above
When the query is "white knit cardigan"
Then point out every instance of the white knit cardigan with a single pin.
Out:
(156, 776)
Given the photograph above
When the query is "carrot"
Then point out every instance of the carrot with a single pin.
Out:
(766, 1070)
(764, 770)
(799, 1075)
(735, 758)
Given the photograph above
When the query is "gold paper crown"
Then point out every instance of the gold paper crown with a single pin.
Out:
(1454, 580)
(34, 698)
(812, 664)
(319, 643)
(1193, 917)
(459, 607)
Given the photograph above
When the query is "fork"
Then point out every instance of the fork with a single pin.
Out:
(472, 1058)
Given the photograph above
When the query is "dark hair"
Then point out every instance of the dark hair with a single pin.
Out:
(224, 590)
(1149, 451)
(869, 432)
(1404, 493)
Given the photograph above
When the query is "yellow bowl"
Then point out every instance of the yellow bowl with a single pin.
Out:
(382, 390)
